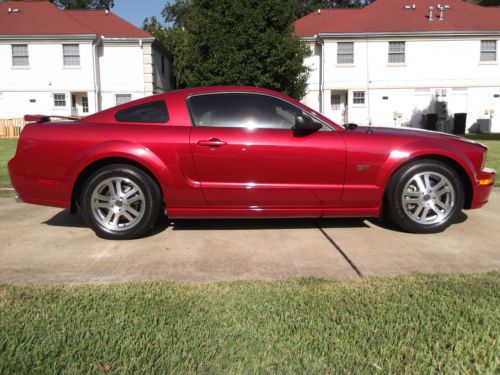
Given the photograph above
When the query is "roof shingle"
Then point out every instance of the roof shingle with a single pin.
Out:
(388, 16)
(44, 18)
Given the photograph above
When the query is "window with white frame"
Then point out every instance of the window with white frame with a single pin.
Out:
(20, 55)
(71, 55)
(488, 50)
(358, 97)
(123, 98)
(85, 104)
(397, 52)
(59, 100)
(345, 53)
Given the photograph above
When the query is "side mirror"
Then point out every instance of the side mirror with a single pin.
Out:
(350, 126)
(306, 123)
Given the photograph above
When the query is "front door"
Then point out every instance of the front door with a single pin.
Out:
(338, 107)
(79, 104)
(247, 155)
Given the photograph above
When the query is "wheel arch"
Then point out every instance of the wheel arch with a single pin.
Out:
(99, 163)
(457, 167)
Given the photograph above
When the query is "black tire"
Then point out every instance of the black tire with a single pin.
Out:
(410, 216)
(145, 200)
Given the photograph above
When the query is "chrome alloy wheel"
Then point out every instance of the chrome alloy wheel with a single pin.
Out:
(428, 198)
(118, 203)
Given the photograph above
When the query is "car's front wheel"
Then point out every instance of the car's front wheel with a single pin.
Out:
(425, 196)
(120, 202)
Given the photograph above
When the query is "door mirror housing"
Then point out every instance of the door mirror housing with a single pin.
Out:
(306, 123)
(350, 126)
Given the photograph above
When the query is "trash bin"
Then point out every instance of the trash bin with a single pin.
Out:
(459, 122)
(430, 121)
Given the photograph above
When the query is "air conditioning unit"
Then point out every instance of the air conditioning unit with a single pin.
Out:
(484, 125)
(442, 109)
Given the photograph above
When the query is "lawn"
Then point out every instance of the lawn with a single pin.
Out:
(493, 143)
(7, 151)
(413, 324)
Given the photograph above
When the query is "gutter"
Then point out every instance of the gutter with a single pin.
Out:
(50, 37)
(365, 35)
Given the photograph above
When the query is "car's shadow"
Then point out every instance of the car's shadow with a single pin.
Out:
(65, 219)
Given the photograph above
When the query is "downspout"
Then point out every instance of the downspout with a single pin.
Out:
(321, 76)
(97, 85)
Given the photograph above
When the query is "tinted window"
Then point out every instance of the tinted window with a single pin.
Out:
(147, 112)
(242, 111)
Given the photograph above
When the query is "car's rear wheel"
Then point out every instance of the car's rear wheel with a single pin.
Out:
(425, 196)
(120, 202)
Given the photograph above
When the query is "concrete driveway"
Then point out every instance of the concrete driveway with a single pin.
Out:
(47, 245)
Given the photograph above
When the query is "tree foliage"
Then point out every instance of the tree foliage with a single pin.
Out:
(84, 4)
(239, 42)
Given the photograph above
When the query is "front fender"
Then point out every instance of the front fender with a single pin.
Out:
(421, 149)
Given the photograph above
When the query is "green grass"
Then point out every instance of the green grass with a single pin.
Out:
(493, 143)
(416, 324)
(7, 151)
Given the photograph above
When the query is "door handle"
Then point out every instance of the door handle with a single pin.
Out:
(212, 142)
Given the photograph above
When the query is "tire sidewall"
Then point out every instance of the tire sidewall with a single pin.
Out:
(398, 183)
(149, 188)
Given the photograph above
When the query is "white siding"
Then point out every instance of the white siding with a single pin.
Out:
(122, 68)
(432, 66)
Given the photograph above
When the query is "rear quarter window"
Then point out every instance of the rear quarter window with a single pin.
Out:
(152, 112)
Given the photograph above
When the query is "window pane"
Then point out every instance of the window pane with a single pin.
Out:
(72, 60)
(123, 98)
(488, 45)
(488, 50)
(85, 104)
(71, 49)
(358, 97)
(20, 55)
(488, 56)
(71, 54)
(148, 112)
(20, 61)
(20, 50)
(59, 100)
(241, 110)
(335, 102)
(345, 53)
(397, 52)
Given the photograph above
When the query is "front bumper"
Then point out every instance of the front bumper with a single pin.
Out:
(484, 185)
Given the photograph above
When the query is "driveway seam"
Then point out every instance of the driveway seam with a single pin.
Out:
(331, 240)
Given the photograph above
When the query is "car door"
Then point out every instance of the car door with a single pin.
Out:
(248, 156)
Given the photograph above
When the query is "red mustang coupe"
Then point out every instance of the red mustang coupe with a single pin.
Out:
(241, 152)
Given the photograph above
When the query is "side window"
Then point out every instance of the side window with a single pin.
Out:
(148, 112)
(242, 110)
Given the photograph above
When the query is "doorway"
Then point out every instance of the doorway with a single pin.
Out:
(339, 107)
(79, 104)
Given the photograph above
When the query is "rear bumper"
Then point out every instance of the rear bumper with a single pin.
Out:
(483, 187)
(30, 189)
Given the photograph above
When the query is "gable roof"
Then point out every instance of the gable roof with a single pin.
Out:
(44, 18)
(391, 16)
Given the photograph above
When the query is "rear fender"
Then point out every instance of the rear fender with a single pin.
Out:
(118, 149)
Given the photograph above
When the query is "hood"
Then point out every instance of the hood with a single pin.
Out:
(416, 133)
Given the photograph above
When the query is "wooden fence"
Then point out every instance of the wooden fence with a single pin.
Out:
(11, 127)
